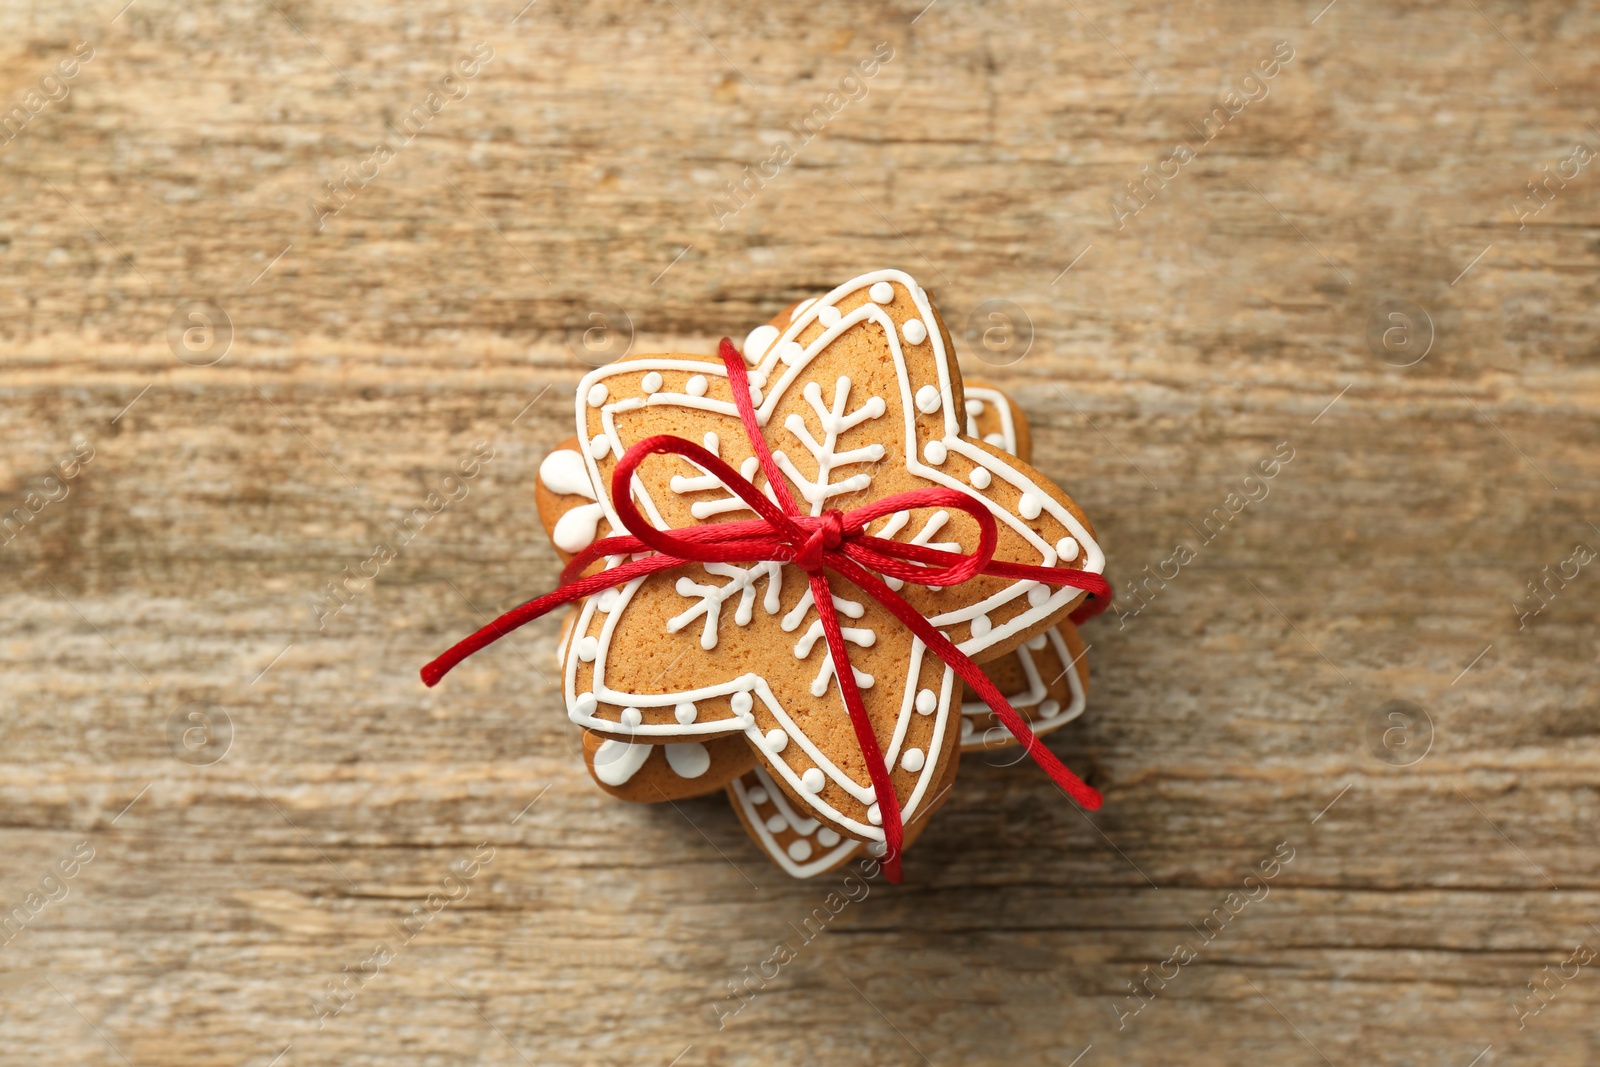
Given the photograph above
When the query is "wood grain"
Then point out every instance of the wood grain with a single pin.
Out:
(1244, 706)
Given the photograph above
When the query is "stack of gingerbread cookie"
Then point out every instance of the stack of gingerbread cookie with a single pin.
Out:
(718, 676)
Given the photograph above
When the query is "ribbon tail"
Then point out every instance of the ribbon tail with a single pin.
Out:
(1086, 795)
(872, 754)
(533, 609)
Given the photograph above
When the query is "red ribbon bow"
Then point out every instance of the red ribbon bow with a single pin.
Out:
(833, 541)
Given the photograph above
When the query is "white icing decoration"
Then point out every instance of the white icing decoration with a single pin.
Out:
(588, 648)
(813, 780)
(980, 477)
(1030, 505)
(776, 823)
(617, 761)
(926, 702)
(597, 394)
(928, 399)
(915, 332)
(936, 452)
(912, 760)
(881, 292)
(741, 581)
(741, 703)
(1038, 595)
(758, 341)
(800, 309)
(607, 600)
(854, 635)
(877, 848)
(834, 421)
(599, 446)
(685, 713)
(827, 837)
(651, 383)
(1037, 642)
(791, 353)
(828, 316)
(563, 473)
(697, 385)
(1067, 548)
(776, 741)
(875, 814)
(981, 625)
(758, 795)
(1006, 437)
(576, 530)
(974, 407)
(688, 759)
(632, 717)
(800, 850)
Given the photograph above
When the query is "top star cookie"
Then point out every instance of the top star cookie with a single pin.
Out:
(859, 397)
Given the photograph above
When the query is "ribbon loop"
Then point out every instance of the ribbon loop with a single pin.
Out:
(833, 541)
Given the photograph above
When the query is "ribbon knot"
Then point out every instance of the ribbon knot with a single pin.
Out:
(826, 537)
(832, 541)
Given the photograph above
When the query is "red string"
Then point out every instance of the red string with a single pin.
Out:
(817, 544)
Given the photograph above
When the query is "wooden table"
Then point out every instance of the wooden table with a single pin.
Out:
(1349, 672)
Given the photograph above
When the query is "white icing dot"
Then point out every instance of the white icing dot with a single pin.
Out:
(741, 703)
(914, 331)
(881, 292)
(685, 713)
(1038, 595)
(980, 477)
(974, 408)
(998, 440)
(776, 741)
(875, 815)
(631, 717)
(827, 837)
(981, 626)
(757, 795)
(607, 601)
(758, 341)
(697, 385)
(813, 780)
(756, 378)
(800, 309)
(1067, 548)
(799, 850)
(1030, 505)
(599, 446)
(877, 848)
(776, 823)
(966, 728)
(588, 649)
(926, 702)
(617, 761)
(584, 704)
(1050, 709)
(935, 452)
(688, 759)
(928, 399)
(791, 353)
(912, 760)
(597, 394)
(829, 316)
(1037, 641)
(651, 383)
